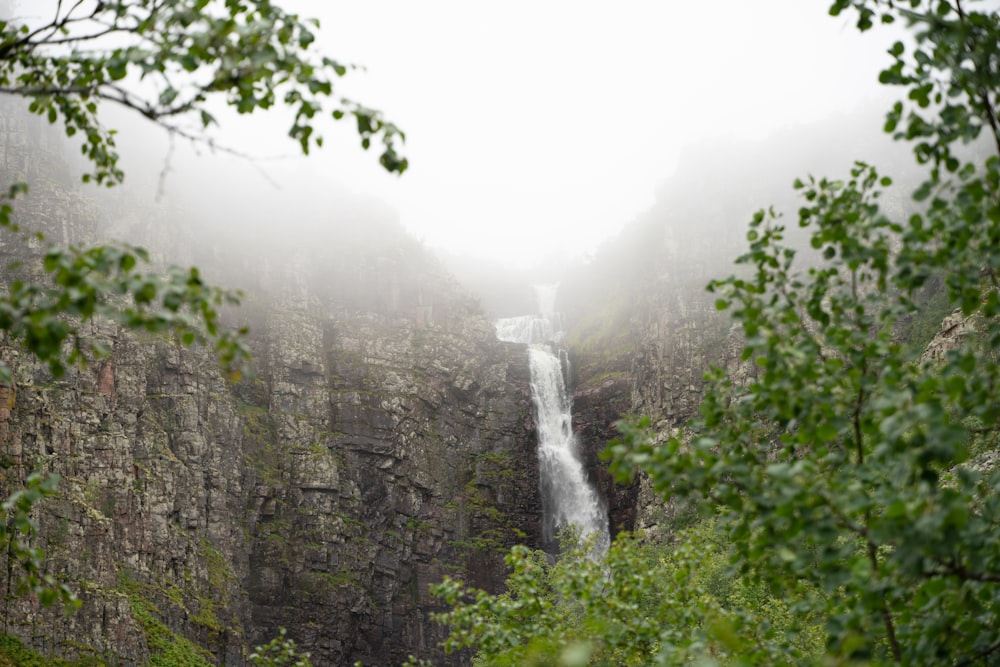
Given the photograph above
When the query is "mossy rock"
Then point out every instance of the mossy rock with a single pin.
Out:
(14, 654)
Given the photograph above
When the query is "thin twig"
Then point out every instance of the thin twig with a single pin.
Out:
(954, 570)
(984, 98)
(979, 656)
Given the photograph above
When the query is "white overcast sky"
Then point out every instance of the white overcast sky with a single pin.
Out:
(535, 126)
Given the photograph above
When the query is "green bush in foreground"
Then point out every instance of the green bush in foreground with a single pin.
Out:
(639, 604)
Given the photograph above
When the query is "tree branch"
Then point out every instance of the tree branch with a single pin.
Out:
(979, 656)
(953, 569)
(108, 29)
(890, 628)
(984, 98)
(43, 91)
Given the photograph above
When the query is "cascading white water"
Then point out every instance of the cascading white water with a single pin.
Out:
(567, 497)
(527, 329)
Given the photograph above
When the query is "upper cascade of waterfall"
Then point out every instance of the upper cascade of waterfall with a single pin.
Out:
(534, 329)
(527, 329)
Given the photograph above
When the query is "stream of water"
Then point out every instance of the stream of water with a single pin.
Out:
(568, 499)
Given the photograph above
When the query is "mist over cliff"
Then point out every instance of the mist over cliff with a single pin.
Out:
(383, 438)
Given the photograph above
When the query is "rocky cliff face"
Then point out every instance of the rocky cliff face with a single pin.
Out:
(385, 439)
(408, 453)
(642, 327)
(596, 407)
(644, 330)
(653, 366)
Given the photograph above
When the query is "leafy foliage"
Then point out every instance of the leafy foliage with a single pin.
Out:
(17, 528)
(166, 59)
(279, 652)
(102, 282)
(639, 604)
(851, 462)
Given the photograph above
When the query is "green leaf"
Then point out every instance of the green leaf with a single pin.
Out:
(117, 68)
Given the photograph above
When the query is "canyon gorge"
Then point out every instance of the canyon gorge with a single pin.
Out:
(385, 437)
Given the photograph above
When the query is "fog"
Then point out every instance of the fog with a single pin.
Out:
(540, 127)
(535, 131)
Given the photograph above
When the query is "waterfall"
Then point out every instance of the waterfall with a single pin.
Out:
(568, 499)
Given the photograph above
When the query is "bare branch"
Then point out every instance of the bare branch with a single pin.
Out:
(108, 29)
(43, 91)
